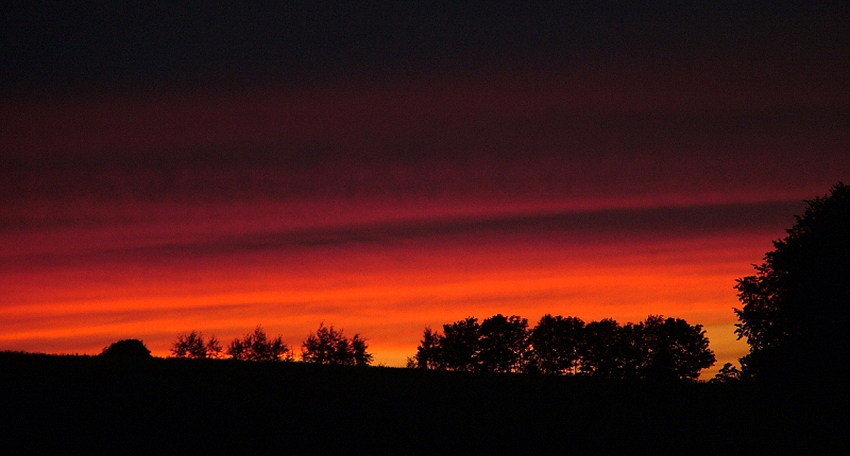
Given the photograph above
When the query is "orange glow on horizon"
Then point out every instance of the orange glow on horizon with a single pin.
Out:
(388, 295)
(384, 209)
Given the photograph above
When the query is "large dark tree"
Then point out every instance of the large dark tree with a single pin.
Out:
(672, 349)
(556, 344)
(797, 305)
(608, 350)
(503, 344)
(459, 345)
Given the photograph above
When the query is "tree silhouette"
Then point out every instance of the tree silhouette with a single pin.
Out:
(673, 349)
(498, 344)
(360, 356)
(459, 345)
(727, 373)
(257, 346)
(635, 353)
(192, 345)
(329, 346)
(503, 344)
(129, 349)
(556, 342)
(657, 348)
(428, 354)
(607, 349)
(796, 306)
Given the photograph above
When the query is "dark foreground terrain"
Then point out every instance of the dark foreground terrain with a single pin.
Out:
(90, 405)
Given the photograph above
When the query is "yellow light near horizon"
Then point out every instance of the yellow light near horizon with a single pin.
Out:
(388, 293)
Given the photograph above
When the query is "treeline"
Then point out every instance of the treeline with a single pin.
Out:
(656, 348)
(326, 346)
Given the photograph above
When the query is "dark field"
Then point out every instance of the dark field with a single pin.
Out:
(90, 405)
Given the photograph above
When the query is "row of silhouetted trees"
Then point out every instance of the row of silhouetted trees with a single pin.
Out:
(795, 310)
(326, 346)
(656, 348)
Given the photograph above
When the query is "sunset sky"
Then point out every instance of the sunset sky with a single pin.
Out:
(206, 166)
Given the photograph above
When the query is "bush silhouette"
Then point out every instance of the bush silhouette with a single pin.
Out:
(126, 349)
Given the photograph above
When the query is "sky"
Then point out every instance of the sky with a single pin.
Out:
(384, 168)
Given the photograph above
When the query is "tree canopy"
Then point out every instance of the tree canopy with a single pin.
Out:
(257, 346)
(192, 345)
(504, 343)
(657, 348)
(557, 344)
(796, 306)
(672, 349)
(498, 344)
(727, 373)
(330, 346)
(327, 346)
(427, 354)
(607, 350)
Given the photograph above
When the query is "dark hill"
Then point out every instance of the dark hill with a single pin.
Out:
(92, 405)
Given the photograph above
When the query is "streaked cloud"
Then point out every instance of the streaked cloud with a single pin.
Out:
(384, 176)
